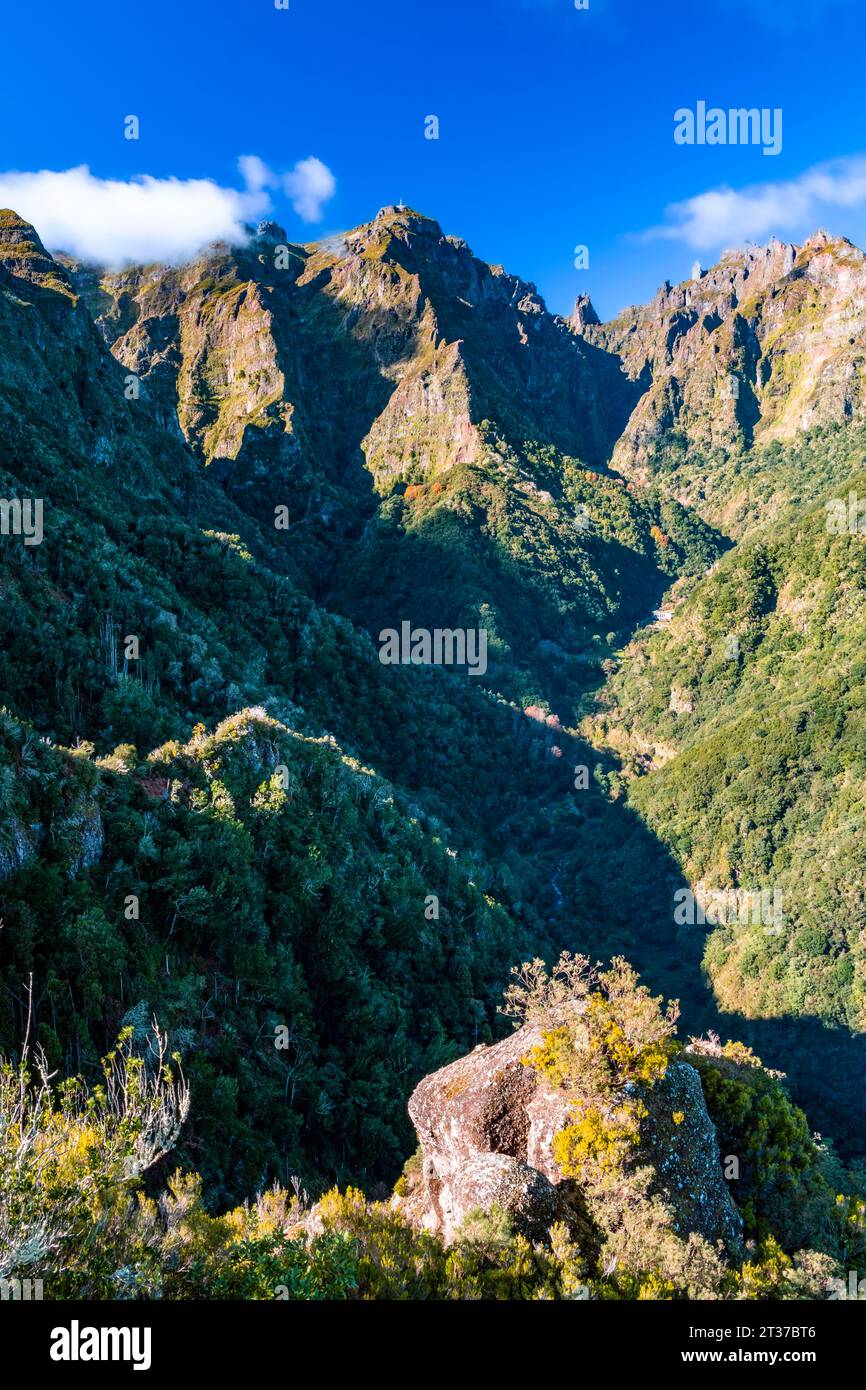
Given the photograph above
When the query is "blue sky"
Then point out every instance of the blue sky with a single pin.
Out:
(556, 124)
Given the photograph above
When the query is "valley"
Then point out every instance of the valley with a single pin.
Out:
(283, 800)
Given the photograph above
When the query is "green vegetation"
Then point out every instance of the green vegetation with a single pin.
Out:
(788, 1185)
(72, 1161)
(535, 549)
(768, 782)
(266, 898)
(312, 872)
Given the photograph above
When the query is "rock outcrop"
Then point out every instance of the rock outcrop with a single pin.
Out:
(765, 344)
(486, 1125)
(384, 348)
(17, 847)
(83, 829)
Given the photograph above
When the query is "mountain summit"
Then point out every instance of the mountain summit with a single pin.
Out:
(388, 347)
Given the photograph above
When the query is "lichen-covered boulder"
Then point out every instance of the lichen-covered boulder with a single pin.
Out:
(486, 1124)
(494, 1179)
(678, 1140)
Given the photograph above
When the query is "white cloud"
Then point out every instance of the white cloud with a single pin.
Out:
(310, 185)
(115, 221)
(725, 216)
(255, 172)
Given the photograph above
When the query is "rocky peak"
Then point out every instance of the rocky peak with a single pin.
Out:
(392, 231)
(424, 339)
(15, 229)
(819, 240)
(430, 341)
(764, 344)
(399, 217)
(271, 232)
(583, 314)
(23, 255)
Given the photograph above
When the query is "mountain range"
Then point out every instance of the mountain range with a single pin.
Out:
(222, 809)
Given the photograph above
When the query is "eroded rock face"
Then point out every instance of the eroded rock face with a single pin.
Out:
(16, 849)
(494, 1179)
(383, 349)
(292, 369)
(486, 1124)
(476, 1126)
(84, 829)
(765, 344)
(679, 1140)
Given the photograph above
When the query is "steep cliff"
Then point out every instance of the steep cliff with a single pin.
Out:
(424, 420)
(764, 345)
(427, 340)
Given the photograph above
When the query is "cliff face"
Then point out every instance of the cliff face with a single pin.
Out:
(386, 348)
(393, 339)
(486, 1125)
(61, 390)
(48, 352)
(419, 414)
(317, 375)
(766, 344)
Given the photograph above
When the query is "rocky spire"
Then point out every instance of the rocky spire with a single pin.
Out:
(583, 314)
